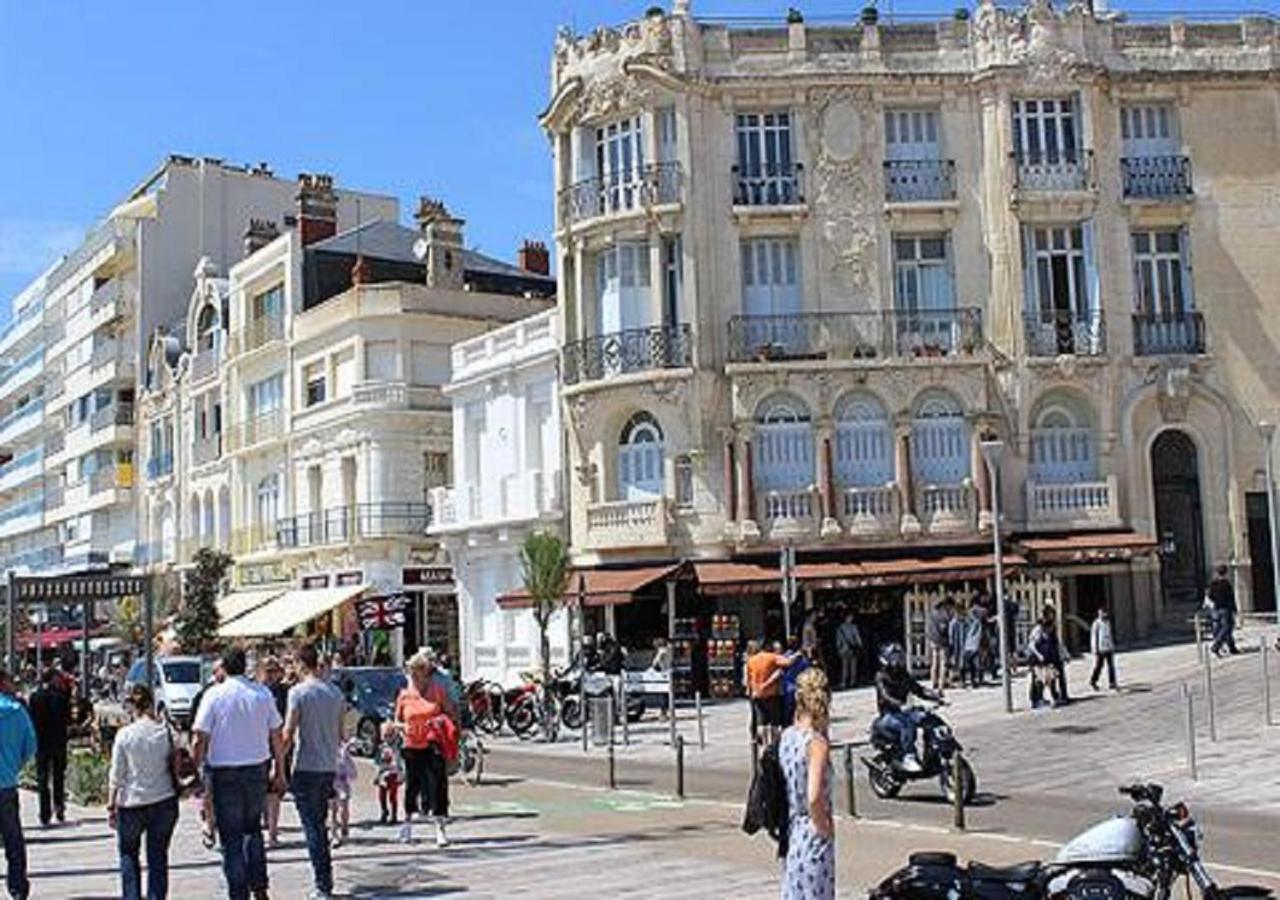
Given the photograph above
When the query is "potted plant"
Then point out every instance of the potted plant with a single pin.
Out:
(961, 14)
(870, 14)
(794, 16)
(655, 12)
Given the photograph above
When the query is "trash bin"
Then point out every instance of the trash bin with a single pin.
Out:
(600, 719)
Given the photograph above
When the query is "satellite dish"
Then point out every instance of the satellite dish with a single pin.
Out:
(420, 248)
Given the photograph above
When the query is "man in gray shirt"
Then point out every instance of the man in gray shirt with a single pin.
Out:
(313, 730)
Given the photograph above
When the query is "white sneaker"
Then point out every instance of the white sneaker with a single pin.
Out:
(406, 833)
(911, 764)
(442, 839)
(319, 895)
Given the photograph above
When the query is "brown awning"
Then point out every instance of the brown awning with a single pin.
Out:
(599, 587)
(720, 578)
(1088, 548)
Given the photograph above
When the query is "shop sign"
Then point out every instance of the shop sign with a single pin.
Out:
(429, 576)
(348, 579)
(314, 582)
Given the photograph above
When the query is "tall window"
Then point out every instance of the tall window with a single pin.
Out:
(784, 446)
(1149, 129)
(922, 274)
(619, 160)
(939, 441)
(269, 304)
(672, 278)
(1161, 274)
(1062, 444)
(770, 277)
(1046, 130)
(266, 395)
(207, 325)
(864, 443)
(1060, 264)
(640, 454)
(268, 504)
(911, 134)
(622, 287)
(766, 171)
(666, 123)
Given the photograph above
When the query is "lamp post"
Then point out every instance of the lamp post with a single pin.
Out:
(991, 453)
(1268, 430)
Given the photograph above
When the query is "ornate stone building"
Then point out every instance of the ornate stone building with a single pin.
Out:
(807, 267)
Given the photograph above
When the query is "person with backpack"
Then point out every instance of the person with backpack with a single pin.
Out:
(804, 754)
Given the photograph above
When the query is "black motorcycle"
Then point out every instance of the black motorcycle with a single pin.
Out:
(937, 758)
(568, 688)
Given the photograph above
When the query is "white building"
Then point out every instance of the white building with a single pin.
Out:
(507, 451)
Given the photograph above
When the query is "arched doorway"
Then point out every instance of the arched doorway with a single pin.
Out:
(1175, 476)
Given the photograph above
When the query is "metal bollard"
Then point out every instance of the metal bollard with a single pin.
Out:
(1208, 691)
(583, 712)
(702, 729)
(848, 781)
(958, 787)
(680, 766)
(1199, 625)
(613, 779)
(1191, 730)
(622, 692)
(1266, 683)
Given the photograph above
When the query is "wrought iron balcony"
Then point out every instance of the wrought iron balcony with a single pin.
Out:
(1060, 333)
(855, 335)
(115, 414)
(919, 180)
(634, 350)
(1168, 335)
(1072, 171)
(340, 524)
(768, 185)
(1155, 177)
(649, 185)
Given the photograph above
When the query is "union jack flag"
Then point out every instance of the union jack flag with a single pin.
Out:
(379, 613)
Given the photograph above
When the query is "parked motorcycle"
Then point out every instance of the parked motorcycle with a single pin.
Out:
(567, 687)
(484, 700)
(1141, 856)
(937, 758)
(522, 707)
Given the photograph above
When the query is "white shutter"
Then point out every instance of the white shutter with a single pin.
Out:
(1093, 299)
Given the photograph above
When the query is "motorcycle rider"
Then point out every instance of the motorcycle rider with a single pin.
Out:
(587, 659)
(894, 689)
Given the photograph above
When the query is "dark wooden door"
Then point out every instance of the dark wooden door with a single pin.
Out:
(1263, 581)
(1179, 523)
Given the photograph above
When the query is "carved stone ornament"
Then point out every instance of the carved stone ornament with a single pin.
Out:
(651, 37)
(1033, 38)
(612, 96)
(1173, 391)
(845, 188)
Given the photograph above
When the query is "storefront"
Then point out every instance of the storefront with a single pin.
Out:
(431, 616)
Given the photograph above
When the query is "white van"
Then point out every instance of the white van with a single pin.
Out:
(176, 682)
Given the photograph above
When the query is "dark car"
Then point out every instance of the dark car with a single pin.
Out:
(371, 698)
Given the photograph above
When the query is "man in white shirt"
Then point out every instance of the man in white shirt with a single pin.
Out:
(238, 737)
(1103, 644)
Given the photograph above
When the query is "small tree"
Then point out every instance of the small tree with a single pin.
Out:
(545, 565)
(197, 620)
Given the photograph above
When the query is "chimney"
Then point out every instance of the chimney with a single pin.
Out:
(317, 208)
(533, 258)
(259, 233)
(442, 237)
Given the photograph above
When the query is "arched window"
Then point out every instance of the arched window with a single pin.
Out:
(784, 445)
(268, 504)
(940, 448)
(864, 443)
(1063, 442)
(640, 453)
(207, 327)
(207, 537)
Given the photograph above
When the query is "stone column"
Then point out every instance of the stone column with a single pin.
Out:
(910, 524)
(748, 527)
(730, 481)
(826, 480)
(981, 477)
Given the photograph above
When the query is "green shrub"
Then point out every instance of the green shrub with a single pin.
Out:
(87, 777)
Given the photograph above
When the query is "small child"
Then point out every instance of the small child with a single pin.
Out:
(390, 774)
(344, 776)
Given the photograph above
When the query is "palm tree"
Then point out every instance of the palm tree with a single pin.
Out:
(545, 565)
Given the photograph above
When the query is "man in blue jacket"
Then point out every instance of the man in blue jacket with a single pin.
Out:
(17, 745)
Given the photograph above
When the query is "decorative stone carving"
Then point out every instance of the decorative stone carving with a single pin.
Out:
(1173, 386)
(845, 189)
(1034, 38)
(650, 38)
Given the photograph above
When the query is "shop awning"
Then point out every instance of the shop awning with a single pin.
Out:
(1102, 546)
(720, 578)
(52, 637)
(237, 603)
(599, 587)
(289, 610)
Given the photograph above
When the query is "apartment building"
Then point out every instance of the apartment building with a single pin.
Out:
(507, 484)
(131, 275)
(302, 425)
(807, 268)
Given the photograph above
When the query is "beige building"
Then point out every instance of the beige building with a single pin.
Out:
(303, 426)
(806, 268)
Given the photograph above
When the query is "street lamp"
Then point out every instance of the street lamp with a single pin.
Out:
(1268, 430)
(991, 453)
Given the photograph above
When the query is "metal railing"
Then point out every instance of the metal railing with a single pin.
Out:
(919, 180)
(339, 524)
(160, 465)
(1067, 172)
(634, 350)
(55, 443)
(1155, 177)
(115, 414)
(106, 293)
(1167, 335)
(32, 457)
(648, 185)
(1061, 333)
(104, 353)
(30, 507)
(855, 335)
(36, 407)
(768, 185)
(260, 332)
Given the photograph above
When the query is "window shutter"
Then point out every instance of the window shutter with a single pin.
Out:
(1094, 299)
(1032, 300)
(1184, 250)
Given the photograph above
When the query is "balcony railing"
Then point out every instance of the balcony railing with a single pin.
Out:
(1065, 333)
(204, 364)
(946, 508)
(650, 185)
(919, 180)
(21, 510)
(111, 477)
(340, 524)
(41, 559)
(30, 460)
(634, 350)
(265, 426)
(768, 185)
(870, 511)
(103, 354)
(20, 420)
(55, 443)
(1078, 504)
(855, 335)
(115, 414)
(1168, 335)
(160, 465)
(788, 513)
(1070, 172)
(107, 293)
(627, 523)
(19, 323)
(1155, 177)
(525, 495)
(206, 450)
(261, 332)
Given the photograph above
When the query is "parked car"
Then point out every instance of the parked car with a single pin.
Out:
(175, 681)
(371, 698)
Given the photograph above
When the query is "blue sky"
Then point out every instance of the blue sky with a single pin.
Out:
(405, 97)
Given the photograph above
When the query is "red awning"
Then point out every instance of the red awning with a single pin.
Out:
(1107, 546)
(598, 587)
(51, 638)
(718, 578)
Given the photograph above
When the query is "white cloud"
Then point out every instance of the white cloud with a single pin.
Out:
(27, 248)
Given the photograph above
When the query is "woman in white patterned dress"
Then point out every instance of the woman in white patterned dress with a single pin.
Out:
(809, 872)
